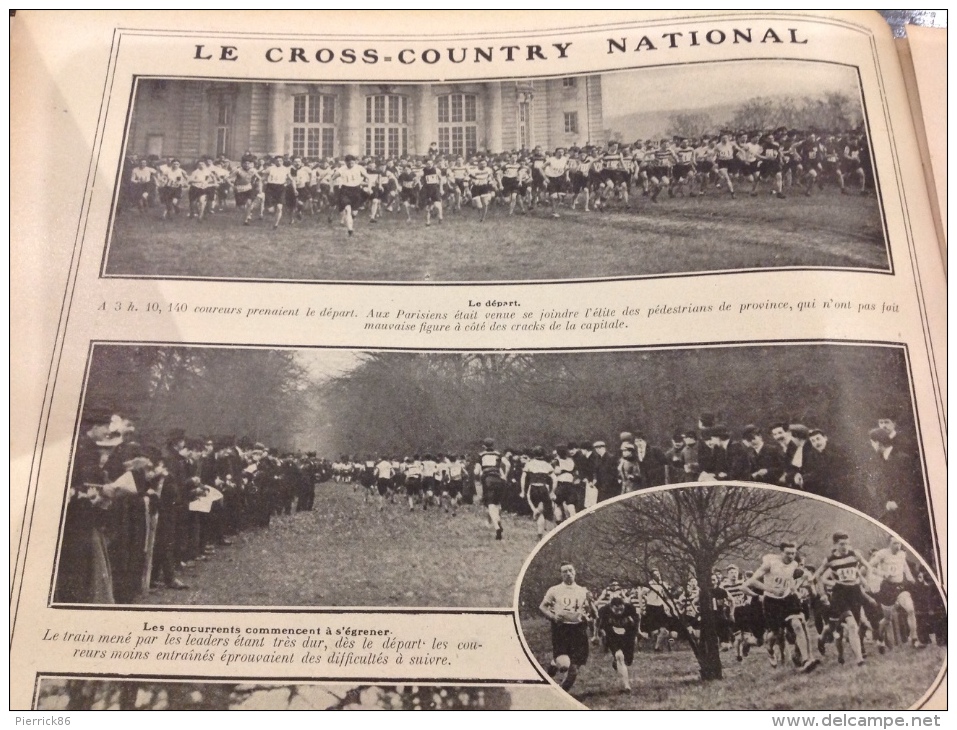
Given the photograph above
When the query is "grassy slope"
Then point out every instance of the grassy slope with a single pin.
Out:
(680, 235)
(669, 681)
(347, 553)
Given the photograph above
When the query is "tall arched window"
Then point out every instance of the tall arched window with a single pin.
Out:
(387, 125)
(313, 125)
(458, 133)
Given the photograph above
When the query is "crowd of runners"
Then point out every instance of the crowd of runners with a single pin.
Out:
(552, 485)
(615, 176)
(795, 610)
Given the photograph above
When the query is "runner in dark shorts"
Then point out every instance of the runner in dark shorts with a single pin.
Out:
(243, 197)
(509, 186)
(569, 490)
(482, 180)
(889, 592)
(579, 182)
(275, 194)
(431, 194)
(291, 197)
(413, 479)
(174, 180)
(618, 625)
(538, 483)
(682, 170)
(568, 606)
(350, 195)
(493, 489)
(248, 191)
(778, 611)
(413, 484)
(571, 640)
(655, 618)
(847, 600)
(539, 494)
(141, 190)
(454, 488)
(556, 186)
(408, 195)
(351, 179)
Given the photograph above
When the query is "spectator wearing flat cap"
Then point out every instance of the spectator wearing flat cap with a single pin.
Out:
(826, 473)
(606, 472)
(798, 455)
(652, 462)
(730, 459)
(767, 457)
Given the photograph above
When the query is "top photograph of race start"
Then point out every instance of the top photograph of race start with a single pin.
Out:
(673, 170)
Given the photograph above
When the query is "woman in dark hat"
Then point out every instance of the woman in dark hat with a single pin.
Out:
(84, 573)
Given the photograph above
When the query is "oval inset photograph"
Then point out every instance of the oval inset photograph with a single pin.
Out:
(733, 597)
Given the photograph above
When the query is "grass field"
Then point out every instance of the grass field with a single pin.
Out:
(681, 235)
(669, 681)
(347, 553)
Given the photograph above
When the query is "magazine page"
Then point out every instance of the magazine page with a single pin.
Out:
(473, 360)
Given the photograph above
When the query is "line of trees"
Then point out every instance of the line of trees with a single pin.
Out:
(249, 393)
(831, 111)
(402, 403)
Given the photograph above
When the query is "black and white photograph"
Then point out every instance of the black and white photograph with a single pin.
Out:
(256, 476)
(478, 360)
(733, 597)
(69, 694)
(668, 170)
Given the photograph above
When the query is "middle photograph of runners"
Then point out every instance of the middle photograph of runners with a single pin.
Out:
(350, 478)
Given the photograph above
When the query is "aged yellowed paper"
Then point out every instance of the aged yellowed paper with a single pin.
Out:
(471, 359)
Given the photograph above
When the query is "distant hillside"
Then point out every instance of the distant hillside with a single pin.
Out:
(655, 124)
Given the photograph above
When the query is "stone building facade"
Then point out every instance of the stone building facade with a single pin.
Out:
(188, 118)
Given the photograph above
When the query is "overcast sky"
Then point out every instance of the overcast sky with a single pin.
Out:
(322, 364)
(699, 86)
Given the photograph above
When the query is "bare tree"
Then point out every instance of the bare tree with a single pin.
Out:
(833, 111)
(757, 113)
(689, 124)
(691, 530)
(207, 391)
